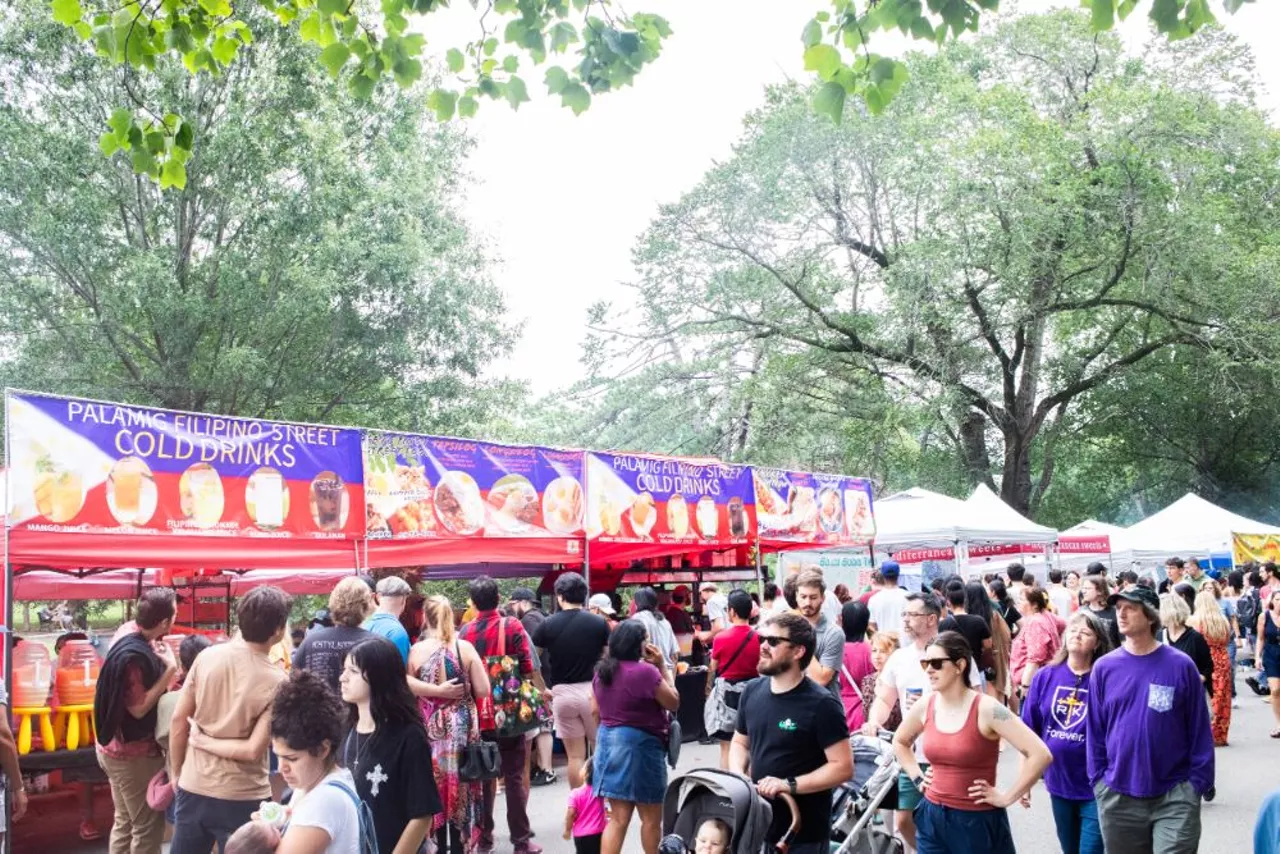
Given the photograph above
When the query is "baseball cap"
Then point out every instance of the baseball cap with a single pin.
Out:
(523, 594)
(1139, 595)
(603, 602)
(393, 585)
(890, 569)
(710, 585)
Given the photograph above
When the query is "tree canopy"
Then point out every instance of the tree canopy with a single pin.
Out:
(313, 265)
(588, 47)
(1033, 220)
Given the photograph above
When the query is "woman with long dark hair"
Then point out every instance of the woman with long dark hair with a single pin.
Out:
(978, 603)
(856, 663)
(1055, 710)
(386, 747)
(633, 691)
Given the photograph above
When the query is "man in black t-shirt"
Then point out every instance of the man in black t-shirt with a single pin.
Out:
(575, 639)
(791, 732)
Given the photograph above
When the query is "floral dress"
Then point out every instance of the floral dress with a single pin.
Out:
(1220, 703)
(451, 725)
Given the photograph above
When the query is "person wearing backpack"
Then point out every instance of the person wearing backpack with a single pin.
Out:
(1248, 610)
(307, 724)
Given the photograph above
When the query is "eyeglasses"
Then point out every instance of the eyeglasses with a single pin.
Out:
(915, 614)
(773, 640)
(935, 663)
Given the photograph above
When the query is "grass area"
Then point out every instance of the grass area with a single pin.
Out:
(103, 614)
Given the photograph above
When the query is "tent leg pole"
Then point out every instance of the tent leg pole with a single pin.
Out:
(586, 563)
(759, 572)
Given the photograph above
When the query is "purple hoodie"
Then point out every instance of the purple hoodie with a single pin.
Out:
(1056, 709)
(1148, 724)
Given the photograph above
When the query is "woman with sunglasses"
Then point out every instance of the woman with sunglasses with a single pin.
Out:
(1055, 709)
(962, 810)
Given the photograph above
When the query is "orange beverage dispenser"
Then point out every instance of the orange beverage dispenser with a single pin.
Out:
(32, 675)
(78, 667)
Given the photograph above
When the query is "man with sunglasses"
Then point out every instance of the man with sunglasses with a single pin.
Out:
(903, 680)
(791, 734)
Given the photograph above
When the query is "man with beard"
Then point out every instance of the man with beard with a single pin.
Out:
(828, 650)
(791, 734)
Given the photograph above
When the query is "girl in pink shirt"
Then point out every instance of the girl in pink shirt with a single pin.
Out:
(585, 818)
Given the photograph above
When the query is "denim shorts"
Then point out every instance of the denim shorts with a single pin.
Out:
(629, 765)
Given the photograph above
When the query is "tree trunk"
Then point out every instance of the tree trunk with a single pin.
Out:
(973, 445)
(1015, 481)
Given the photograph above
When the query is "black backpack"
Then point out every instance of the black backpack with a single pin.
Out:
(1247, 610)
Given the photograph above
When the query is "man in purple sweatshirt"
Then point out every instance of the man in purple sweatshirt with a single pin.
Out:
(1150, 747)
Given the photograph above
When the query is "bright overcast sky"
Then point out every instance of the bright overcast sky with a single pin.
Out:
(561, 199)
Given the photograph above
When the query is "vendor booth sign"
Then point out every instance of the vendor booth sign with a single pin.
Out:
(800, 507)
(88, 466)
(1255, 547)
(424, 487)
(639, 498)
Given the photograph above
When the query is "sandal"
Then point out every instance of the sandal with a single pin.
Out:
(1275, 733)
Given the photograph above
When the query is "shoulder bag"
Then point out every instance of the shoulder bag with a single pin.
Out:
(480, 759)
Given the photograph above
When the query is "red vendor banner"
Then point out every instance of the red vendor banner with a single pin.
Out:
(428, 487)
(637, 498)
(1094, 544)
(89, 467)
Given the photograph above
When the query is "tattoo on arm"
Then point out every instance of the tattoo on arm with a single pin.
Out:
(1001, 713)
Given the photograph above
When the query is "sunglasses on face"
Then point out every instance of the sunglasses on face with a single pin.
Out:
(935, 663)
(774, 640)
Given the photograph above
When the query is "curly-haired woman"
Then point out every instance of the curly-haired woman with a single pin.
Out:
(307, 723)
(324, 651)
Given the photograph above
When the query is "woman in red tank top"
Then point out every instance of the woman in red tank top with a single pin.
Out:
(954, 765)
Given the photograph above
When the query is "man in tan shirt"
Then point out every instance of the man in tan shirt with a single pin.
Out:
(221, 727)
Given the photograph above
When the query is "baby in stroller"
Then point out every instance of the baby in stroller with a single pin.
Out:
(709, 811)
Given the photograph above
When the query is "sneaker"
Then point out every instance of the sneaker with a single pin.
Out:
(1235, 704)
(1260, 690)
(89, 831)
(542, 778)
(529, 848)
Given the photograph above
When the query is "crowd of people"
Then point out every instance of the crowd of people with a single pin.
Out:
(383, 733)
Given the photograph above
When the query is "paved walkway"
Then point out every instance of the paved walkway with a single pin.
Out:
(1246, 771)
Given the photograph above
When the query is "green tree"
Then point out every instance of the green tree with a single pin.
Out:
(362, 45)
(1034, 216)
(312, 266)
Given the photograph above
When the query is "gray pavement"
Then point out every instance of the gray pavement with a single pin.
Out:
(1246, 770)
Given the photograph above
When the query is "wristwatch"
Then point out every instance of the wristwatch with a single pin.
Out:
(918, 781)
(791, 784)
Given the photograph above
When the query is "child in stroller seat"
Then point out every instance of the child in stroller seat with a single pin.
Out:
(713, 837)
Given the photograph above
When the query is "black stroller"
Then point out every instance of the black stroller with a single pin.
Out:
(705, 793)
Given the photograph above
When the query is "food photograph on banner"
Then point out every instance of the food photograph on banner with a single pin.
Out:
(801, 507)
(82, 465)
(648, 499)
(431, 487)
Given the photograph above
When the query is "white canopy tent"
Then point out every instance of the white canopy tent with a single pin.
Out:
(918, 518)
(1189, 527)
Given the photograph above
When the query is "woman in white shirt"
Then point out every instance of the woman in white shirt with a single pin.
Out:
(307, 721)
